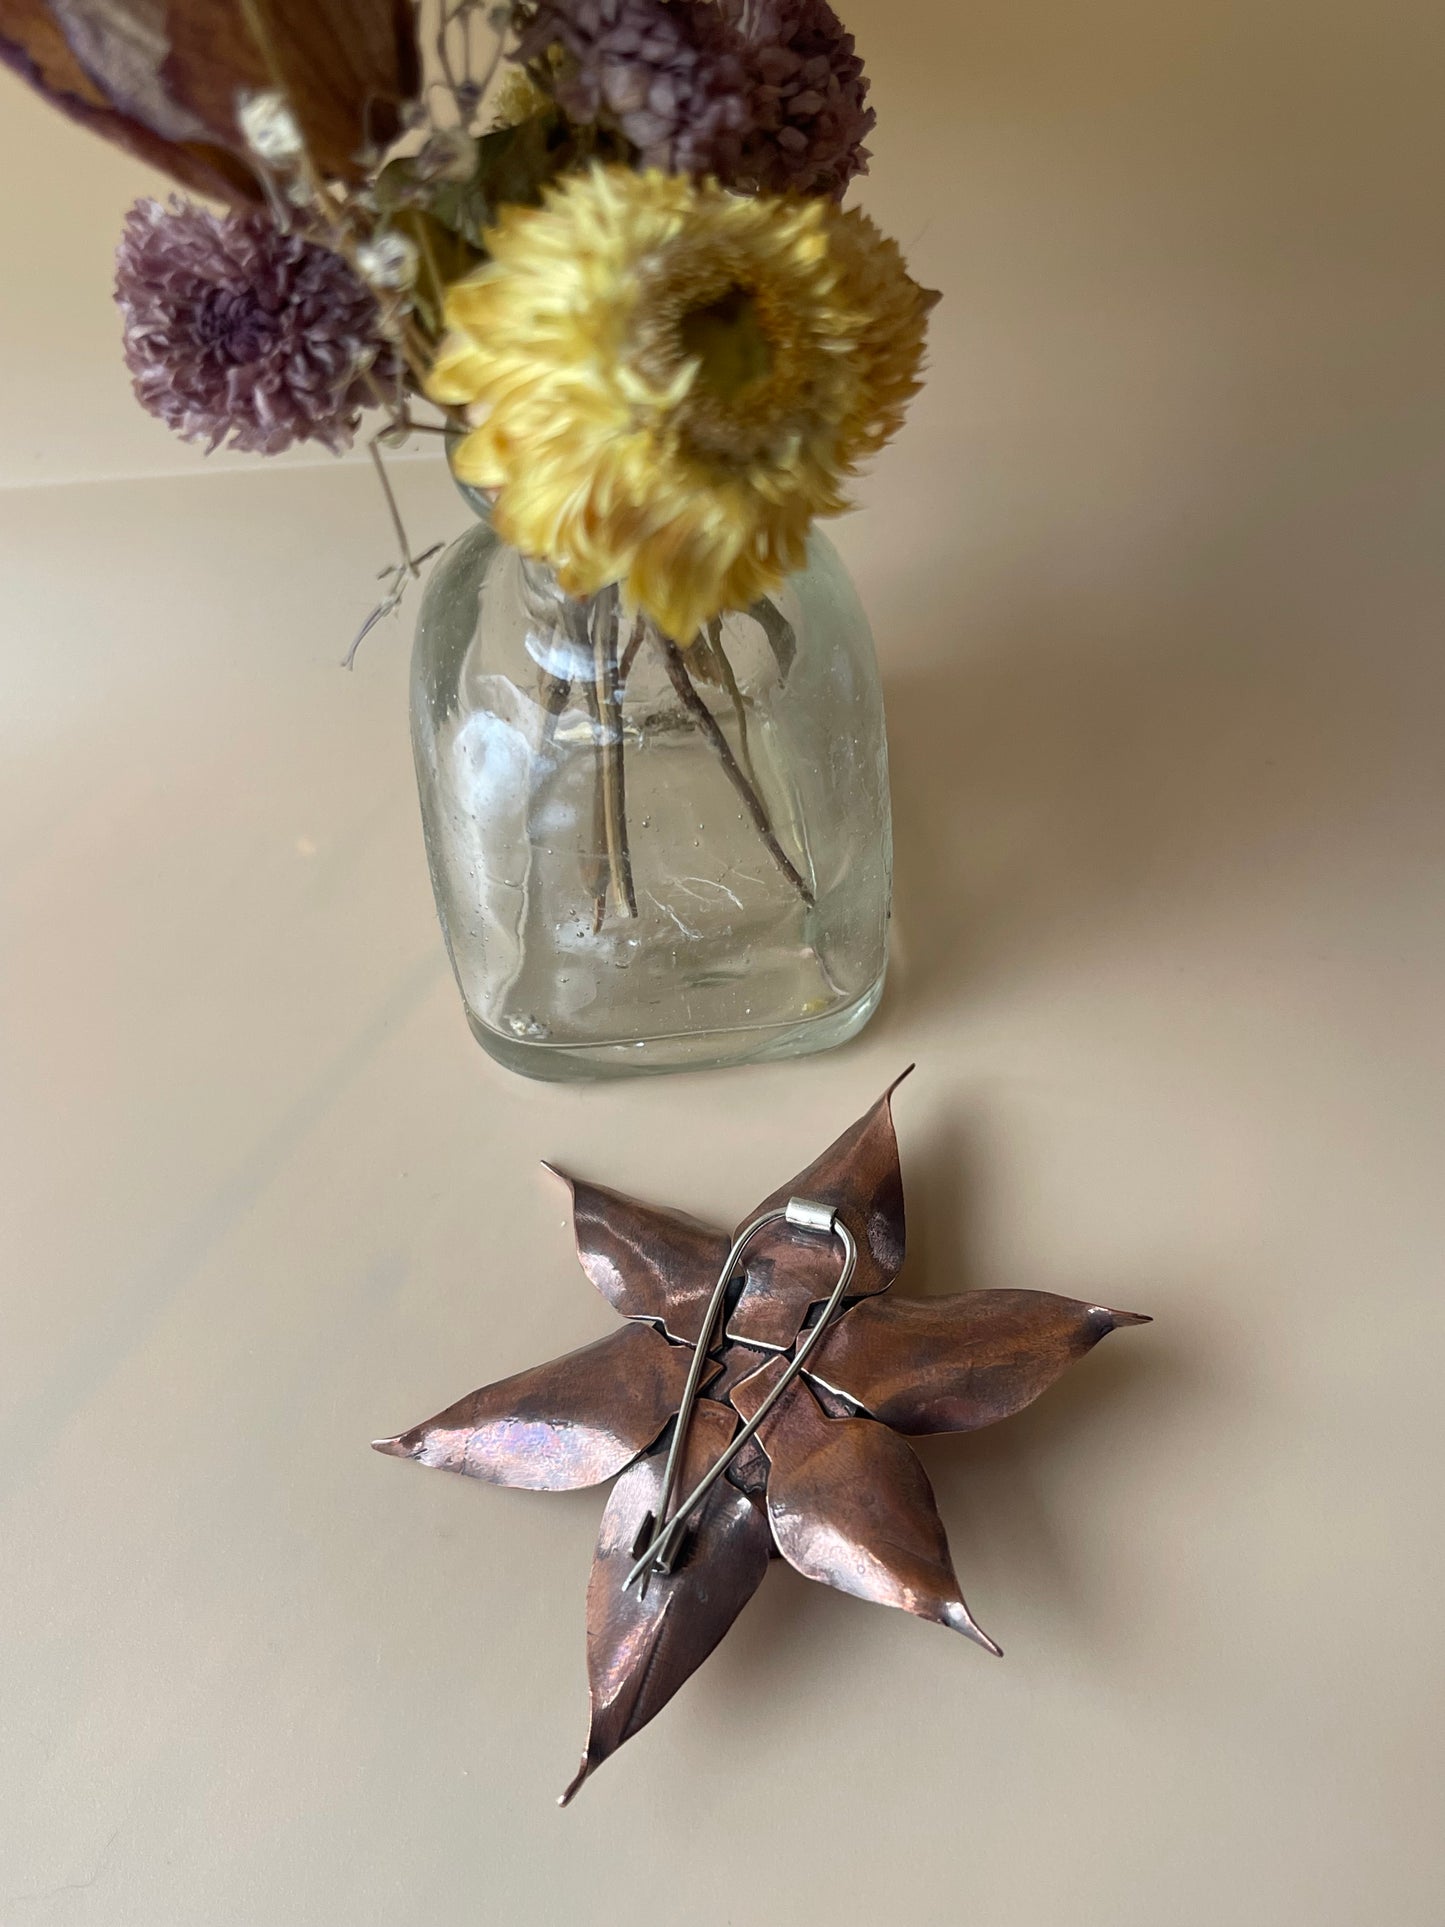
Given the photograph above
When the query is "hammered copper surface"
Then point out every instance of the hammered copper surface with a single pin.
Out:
(953, 1364)
(646, 1261)
(641, 1649)
(570, 1423)
(735, 1362)
(847, 1501)
(860, 1175)
(786, 1276)
(850, 1506)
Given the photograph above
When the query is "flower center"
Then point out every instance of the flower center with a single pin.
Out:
(233, 324)
(751, 363)
(727, 339)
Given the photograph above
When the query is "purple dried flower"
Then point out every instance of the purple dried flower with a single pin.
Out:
(667, 74)
(233, 328)
(808, 114)
(763, 94)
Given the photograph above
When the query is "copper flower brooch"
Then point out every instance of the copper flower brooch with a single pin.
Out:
(754, 1409)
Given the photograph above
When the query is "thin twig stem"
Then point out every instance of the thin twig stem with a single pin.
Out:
(629, 654)
(555, 691)
(444, 56)
(594, 870)
(693, 703)
(735, 696)
(554, 700)
(399, 574)
(604, 661)
(374, 449)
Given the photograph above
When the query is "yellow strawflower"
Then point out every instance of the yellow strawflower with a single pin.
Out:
(666, 382)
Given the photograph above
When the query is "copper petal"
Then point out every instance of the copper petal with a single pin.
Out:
(640, 1650)
(737, 1362)
(646, 1262)
(573, 1422)
(850, 1505)
(953, 1364)
(33, 45)
(788, 1271)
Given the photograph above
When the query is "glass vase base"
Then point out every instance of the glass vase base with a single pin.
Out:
(648, 857)
(599, 1061)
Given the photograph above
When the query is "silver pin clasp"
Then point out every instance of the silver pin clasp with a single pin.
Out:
(660, 1551)
(808, 1216)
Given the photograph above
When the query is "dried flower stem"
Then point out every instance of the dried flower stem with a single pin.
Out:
(604, 656)
(735, 696)
(410, 566)
(693, 703)
(595, 863)
(393, 506)
(555, 691)
(629, 654)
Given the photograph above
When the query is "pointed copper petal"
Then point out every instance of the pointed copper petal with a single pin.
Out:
(646, 1262)
(573, 1422)
(788, 1270)
(850, 1505)
(641, 1649)
(954, 1364)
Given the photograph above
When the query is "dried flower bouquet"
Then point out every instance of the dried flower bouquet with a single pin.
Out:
(601, 239)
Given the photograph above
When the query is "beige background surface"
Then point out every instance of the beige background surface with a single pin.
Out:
(1158, 581)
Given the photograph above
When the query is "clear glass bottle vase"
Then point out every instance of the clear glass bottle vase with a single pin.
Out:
(647, 857)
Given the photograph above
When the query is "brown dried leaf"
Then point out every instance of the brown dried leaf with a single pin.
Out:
(163, 77)
(34, 47)
(345, 66)
(573, 1422)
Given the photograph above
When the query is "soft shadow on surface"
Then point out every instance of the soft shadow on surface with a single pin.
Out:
(940, 1188)
(1002, 1497)
(1002, 1493)
(1059, 788)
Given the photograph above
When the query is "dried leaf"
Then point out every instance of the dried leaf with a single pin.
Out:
(346, 68)
(164, 77)
(34, 47)
(513, 165)
(779, 631)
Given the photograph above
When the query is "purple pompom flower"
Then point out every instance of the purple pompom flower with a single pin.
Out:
(763, 94)
(808, 117)
(235, 329)
(666, 74)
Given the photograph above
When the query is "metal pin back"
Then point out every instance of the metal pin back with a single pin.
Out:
(808, 1216)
